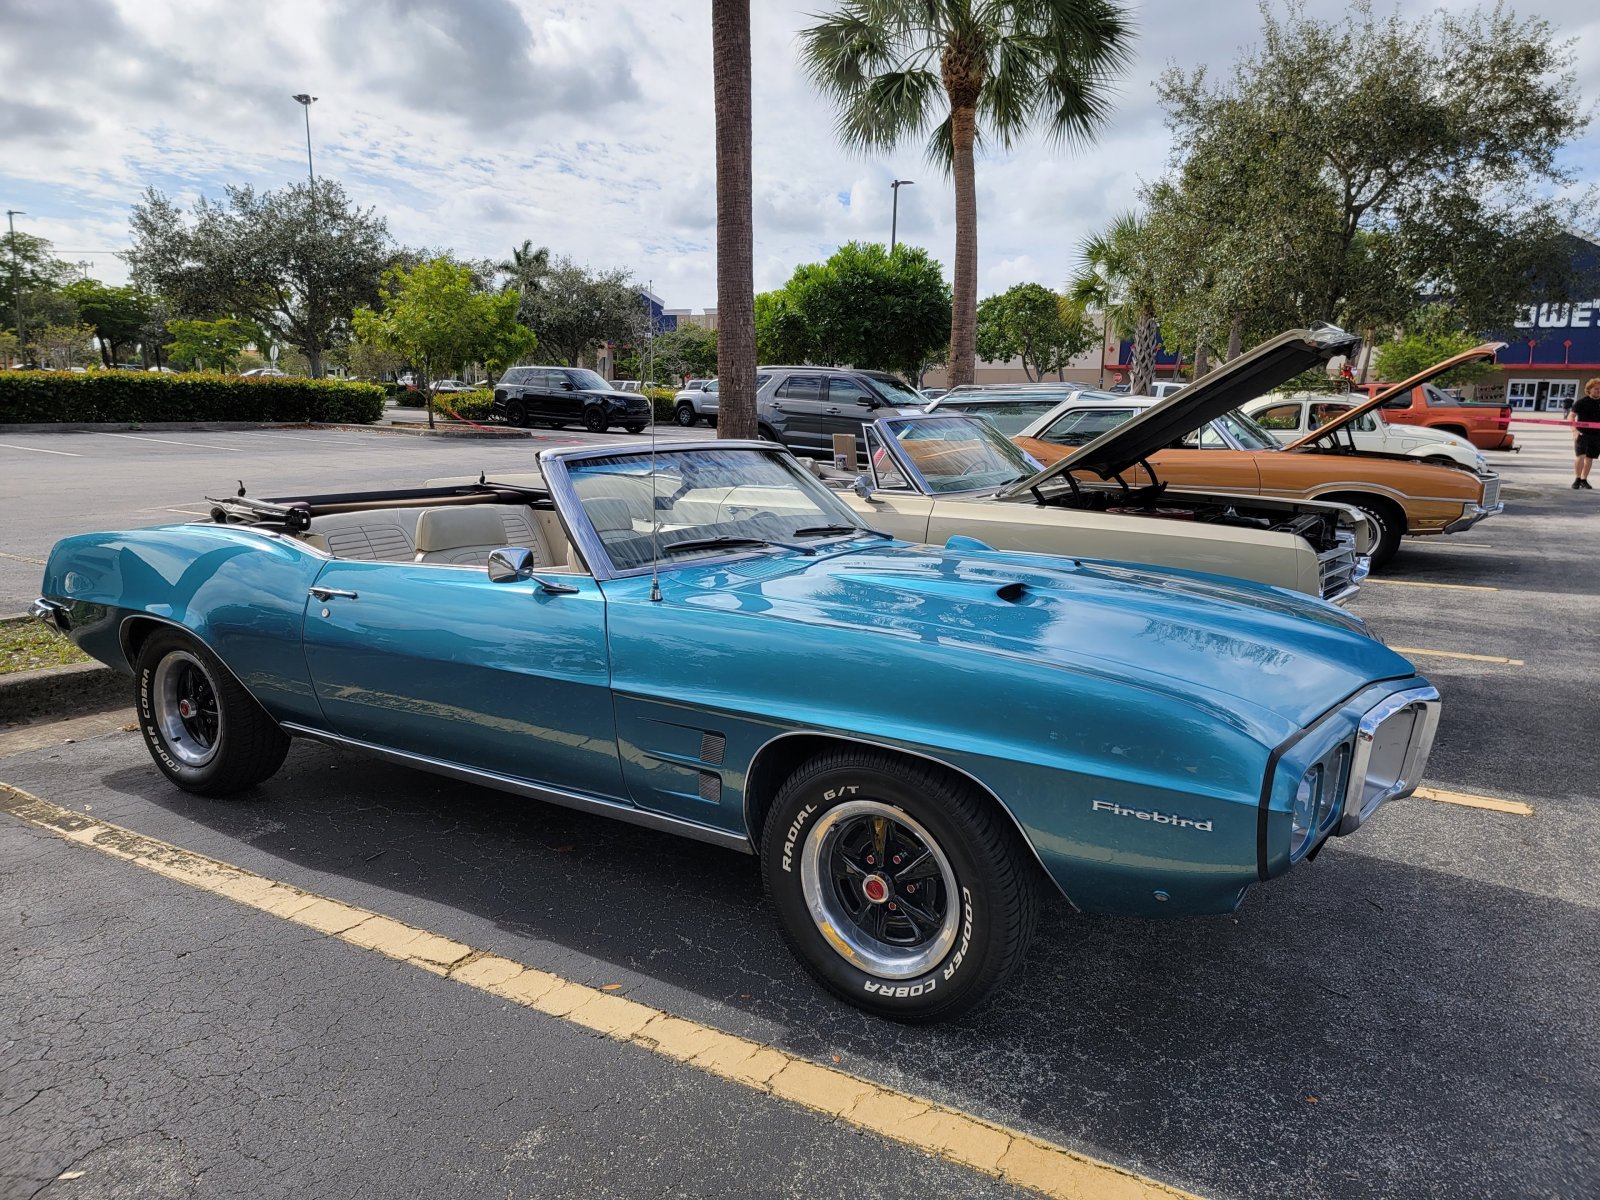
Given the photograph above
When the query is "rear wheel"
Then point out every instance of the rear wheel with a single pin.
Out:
(899, 888)
(685, 415)
(204, 731)
(516, 413)
(594, 420)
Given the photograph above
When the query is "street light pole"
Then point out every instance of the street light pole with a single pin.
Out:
(306, 101)
(894, 218)
(16, 273)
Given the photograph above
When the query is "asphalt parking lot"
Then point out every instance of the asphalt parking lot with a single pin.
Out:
(1411, 1015)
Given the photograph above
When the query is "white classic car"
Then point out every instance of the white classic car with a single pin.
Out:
(1290, 418)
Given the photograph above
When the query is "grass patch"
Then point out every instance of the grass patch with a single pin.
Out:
(28, 645)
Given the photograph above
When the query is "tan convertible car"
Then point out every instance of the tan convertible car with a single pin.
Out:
(1139, 448)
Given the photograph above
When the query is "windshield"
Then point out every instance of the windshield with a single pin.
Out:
(1010, 417)
(588, 381)
(959, 454)
(896, 391)
(751, 496)
(1246, 432)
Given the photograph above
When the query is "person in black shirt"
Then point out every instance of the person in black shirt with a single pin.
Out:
(1585, 410)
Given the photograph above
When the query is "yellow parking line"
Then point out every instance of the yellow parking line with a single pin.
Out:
(1468, 800)
(943, 1132)
(1449, 587)
(38, 562)
(1488, 658)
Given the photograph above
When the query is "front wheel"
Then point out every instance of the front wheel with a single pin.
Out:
(594, 420)
(899, 888)
(204, 731)
(685, 415)
(1388, 525)
(635, 428)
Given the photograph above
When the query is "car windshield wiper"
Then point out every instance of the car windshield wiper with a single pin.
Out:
(722, 543)
(825, 530)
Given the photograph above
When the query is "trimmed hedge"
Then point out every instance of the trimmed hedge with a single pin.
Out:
(136, 397)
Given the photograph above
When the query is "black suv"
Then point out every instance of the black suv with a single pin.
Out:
(562, 396)
(803, 407)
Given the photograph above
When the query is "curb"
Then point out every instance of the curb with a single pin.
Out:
(167, 426)
(52, 693)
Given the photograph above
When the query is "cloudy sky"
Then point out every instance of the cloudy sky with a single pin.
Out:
(587, 127)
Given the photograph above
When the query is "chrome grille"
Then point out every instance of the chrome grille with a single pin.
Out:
(1342, 569)
(1491, 491)
(1391, 752)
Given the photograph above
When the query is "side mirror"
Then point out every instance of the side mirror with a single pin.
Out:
(862, 487)
(513, 564)
(566, 385)
(867, 402)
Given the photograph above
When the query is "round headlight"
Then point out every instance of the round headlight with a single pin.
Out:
(1307, 804)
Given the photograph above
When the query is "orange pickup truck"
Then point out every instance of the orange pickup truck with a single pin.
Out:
(1484, 425)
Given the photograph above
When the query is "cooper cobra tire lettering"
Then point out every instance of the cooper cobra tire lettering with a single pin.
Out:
(966, 934)
(794, 836)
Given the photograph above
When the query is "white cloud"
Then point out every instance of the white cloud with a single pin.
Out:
(587, 127)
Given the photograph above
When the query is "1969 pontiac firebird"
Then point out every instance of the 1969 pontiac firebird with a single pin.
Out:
(918, 742)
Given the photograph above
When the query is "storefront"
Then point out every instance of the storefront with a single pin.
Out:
(1552, 349)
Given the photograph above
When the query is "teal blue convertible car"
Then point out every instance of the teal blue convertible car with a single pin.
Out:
(918, 742)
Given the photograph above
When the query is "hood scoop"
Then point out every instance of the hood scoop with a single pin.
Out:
(1012, 592)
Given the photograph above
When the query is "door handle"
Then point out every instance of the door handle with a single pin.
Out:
(832, 412)
(326, 593)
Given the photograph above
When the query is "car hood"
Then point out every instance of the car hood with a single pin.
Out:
(1485, 351)
(1267, 659)
(1257, 371)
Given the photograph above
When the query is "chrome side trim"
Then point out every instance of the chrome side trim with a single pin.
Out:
(534, 791)
(1360, 802)
(893, 749)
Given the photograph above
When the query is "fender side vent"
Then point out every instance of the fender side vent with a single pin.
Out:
(711, 747)
(711, 787)
(1011, 591)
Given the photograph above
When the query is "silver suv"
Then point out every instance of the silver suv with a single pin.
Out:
(803, 407)
(697, 400)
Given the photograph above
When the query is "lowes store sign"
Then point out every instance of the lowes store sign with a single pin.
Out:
(1555, 335)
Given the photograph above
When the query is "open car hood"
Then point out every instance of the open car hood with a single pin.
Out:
(1487, 350)
(1252, 374)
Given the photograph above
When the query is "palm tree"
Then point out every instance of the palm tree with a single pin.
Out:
(736, 291)
(525, 268)
(1115, 278)
(896, 67)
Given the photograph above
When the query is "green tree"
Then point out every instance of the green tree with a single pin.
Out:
(1408, 154)
(10, 347)
(1034, 324)
(574, 310)
(1116, 277)
(863, 306)
(437, 318)
(211, 345)
(117, 314)
(294, 261)
(688, 350)
(1431, 334)
(969, 70)
(57, 347)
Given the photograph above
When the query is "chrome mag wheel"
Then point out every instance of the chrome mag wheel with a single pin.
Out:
(880, 889)
(186, 708)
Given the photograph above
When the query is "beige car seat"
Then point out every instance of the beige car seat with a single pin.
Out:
(463, 536)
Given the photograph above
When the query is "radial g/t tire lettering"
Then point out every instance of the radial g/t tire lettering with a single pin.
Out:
(204, 731)
(899, 887)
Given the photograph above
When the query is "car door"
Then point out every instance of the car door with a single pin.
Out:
(568, 401)
(847, 406)
(797, 409)
(438, 661)
(1207, 462)
(543, 394)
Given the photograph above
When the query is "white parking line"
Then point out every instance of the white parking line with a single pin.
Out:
(134, 437)
(39, 450)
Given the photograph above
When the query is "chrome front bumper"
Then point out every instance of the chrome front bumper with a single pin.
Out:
(51, 613)
(1391, 752)
(1342, 570)
(1472, 514)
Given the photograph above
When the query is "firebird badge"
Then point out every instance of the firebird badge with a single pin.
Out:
(1144, 814)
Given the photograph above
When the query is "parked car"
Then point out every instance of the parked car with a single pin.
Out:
(454, 385)
(262, 373)
(1290, 418)
(697, 401)
(1009, 411)
(627, 385)
(934, 393)
(917, 742)
(1166, 388)
(1486, 424)
(803, 407)
(1196, 439)
(562, 396)
(933, 476)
